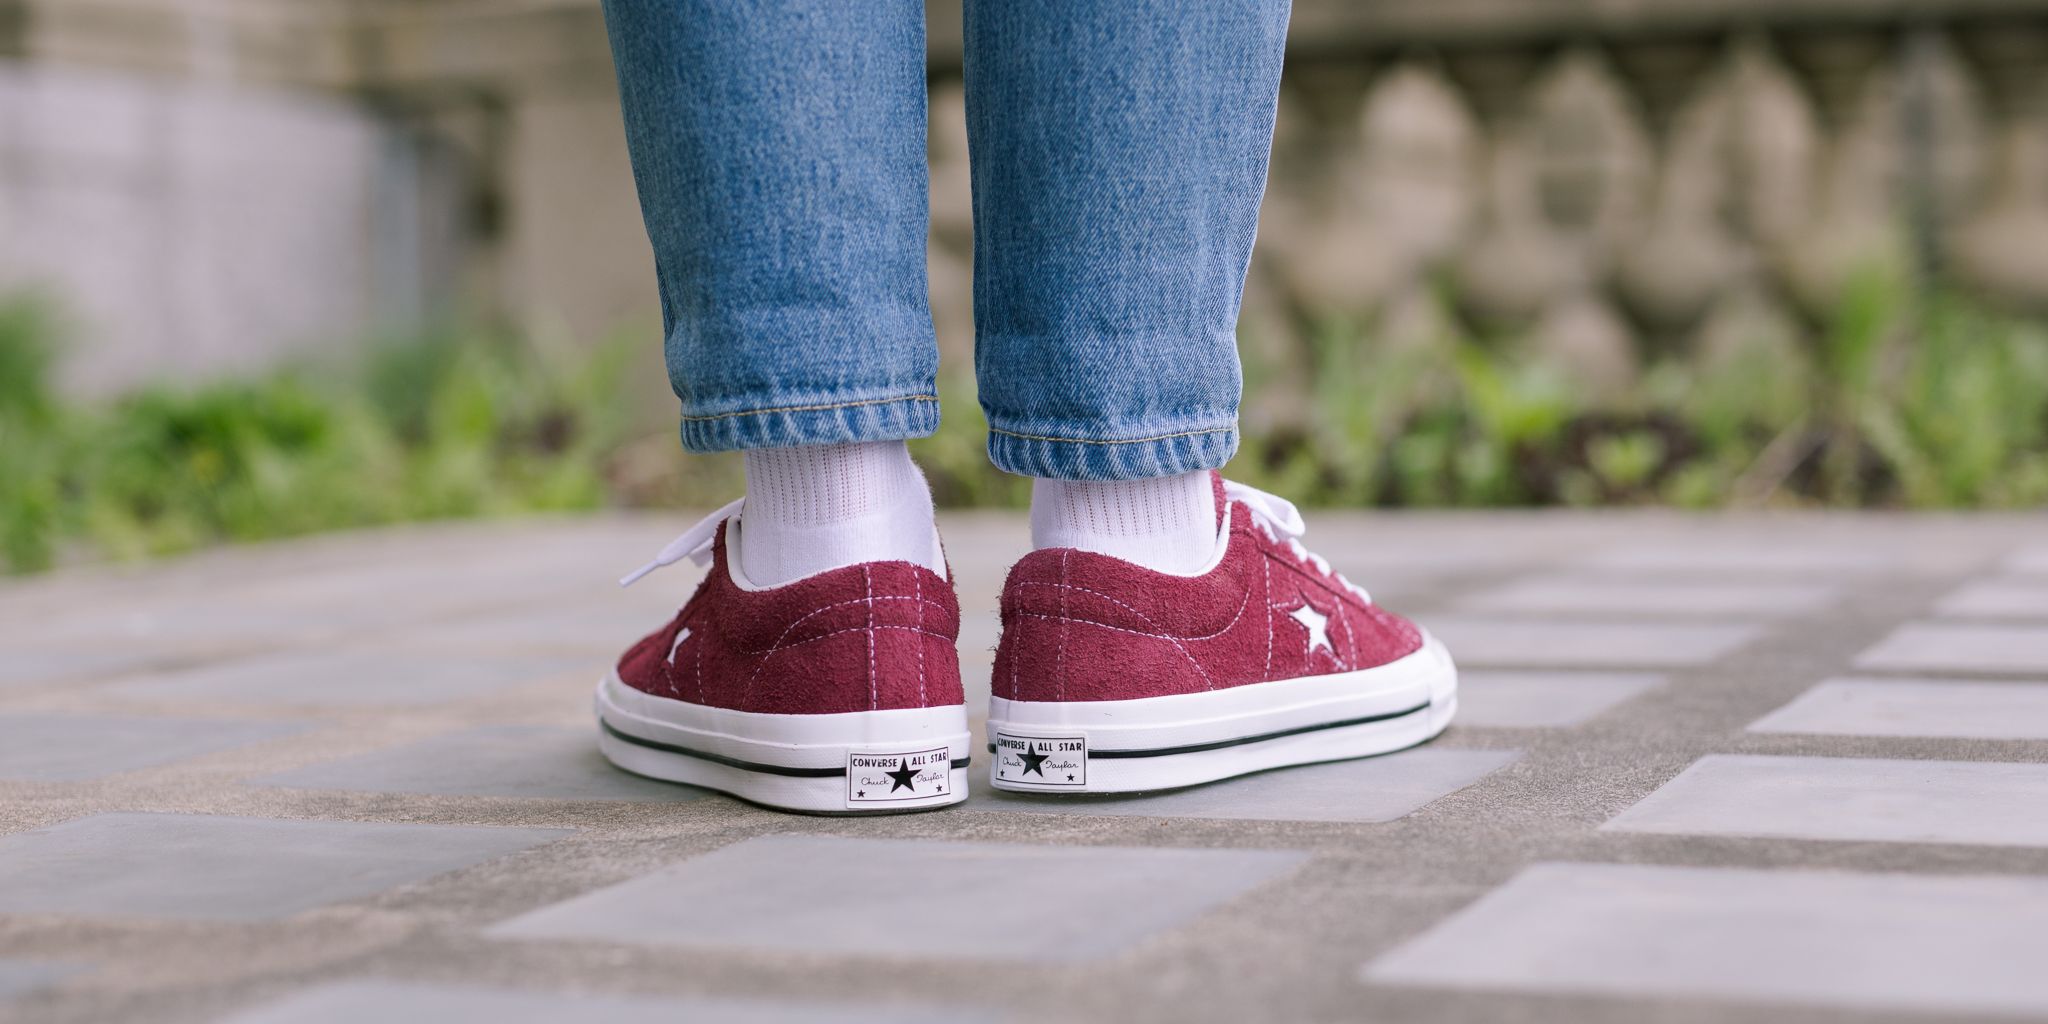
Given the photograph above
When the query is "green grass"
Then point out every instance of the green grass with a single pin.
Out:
(1896, 404)
(451, 425)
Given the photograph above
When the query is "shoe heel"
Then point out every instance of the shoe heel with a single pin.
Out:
(1028, 761)
(866, 762)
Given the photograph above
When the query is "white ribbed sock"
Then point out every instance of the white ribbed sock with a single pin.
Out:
(1167, 523)
(821, 507)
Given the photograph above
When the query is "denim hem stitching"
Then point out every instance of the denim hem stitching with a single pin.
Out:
(812, 408)
(1133, 440)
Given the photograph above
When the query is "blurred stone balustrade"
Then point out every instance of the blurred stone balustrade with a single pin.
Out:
(1661, 179)
(1607, 182)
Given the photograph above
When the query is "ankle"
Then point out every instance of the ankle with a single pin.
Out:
(815, 508)
(1167, 524)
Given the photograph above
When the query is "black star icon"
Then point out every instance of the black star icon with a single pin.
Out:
(900, 778)
(1070, 778)
(862, 793)
(1033, 763)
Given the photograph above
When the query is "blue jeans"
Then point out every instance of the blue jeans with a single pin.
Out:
(1119, 155)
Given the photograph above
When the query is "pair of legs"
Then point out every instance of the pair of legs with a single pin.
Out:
(1168, 629)
(1119, 156)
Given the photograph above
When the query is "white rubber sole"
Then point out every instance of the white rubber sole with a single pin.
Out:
(1123, 746)
(863, 762)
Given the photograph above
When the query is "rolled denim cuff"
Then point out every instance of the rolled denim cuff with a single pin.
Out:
(1077, 458)
(788, 426)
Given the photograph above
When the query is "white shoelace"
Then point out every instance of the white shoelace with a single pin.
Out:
(1271, 513)
(694, 544)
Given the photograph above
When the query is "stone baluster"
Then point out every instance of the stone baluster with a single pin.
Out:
(1671, 270)
(1850, 227)
(1768, 151)
(949, 251)
(1280, 312)
(1317, 232)
(1508, 271)
(1999, 250)
(1588, 161)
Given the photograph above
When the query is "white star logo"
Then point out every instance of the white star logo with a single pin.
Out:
(681, 635)
(1317, 625)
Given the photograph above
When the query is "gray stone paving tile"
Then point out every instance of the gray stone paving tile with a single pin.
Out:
(1367, 789)
(185, 623)
(1523, 643)
(2032, 559)
(580, 627)
(230, 869)
(20, 977)
(62, 748)
(1997, 599)
(20, 666)
(912, 898)
(1938, 647)
(1915, 707)
(552, 762)
(1940, 944)
(1746, 556)
(1533, 700)
(400, 1002)
(393, 594)
(1395, 589)
(349, 678)
(1758, 599)
(1849, 798)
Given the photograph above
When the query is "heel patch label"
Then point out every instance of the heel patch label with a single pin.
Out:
(1057, 762)
(886, 778)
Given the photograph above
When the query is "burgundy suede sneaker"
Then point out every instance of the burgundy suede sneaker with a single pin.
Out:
(837, 693)
(1112, 677)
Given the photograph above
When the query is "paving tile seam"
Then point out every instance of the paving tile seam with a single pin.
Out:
(1964, 674)
(1308, 836)
(1906, 748)
(340, 640)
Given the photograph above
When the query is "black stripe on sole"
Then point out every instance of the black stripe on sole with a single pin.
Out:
(1196, 748)
(734, 762)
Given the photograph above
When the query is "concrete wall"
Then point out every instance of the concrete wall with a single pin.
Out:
(577, 258)
(187, 228)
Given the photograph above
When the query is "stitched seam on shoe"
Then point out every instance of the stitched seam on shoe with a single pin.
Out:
(1091, 440)
(1175, 641)
(1327, 584)
(1013, 659)
(815, 612)
(764, 654)
(1350, 637)
(1059, 661)
(867, 582)
(747, 691)
(856, 629)
(668, 664)
(1342, 665)
(825, 407)
(917, 591)
(1308, 653)
(1242, 604)
(1267, 598)
(668, 669)
(826, 636)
